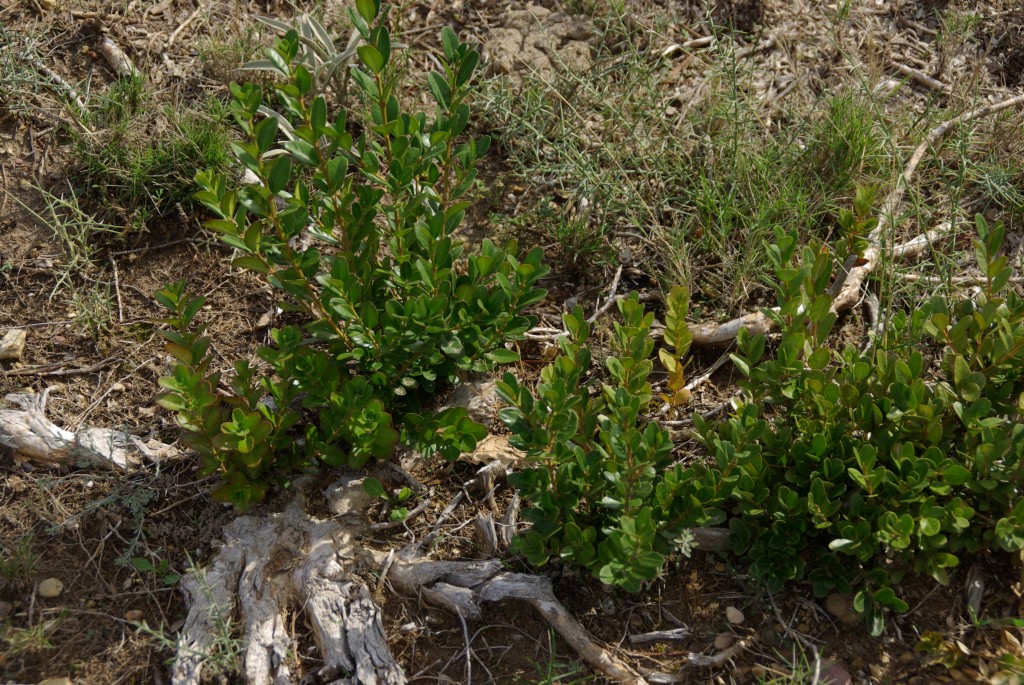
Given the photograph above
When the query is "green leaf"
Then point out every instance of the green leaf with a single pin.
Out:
(251, 263)
(279, 174)
(503, 356)
(374, 488)
(302, 151)
(452, 346)
(741, 364)
(368, 9)
(954, 474)
(450, 43)
(439, 87)
(266, 134)
(371, 57)
(467, 68)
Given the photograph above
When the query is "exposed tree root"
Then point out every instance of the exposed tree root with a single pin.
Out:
(267, 565)
(462, 586)
(28, 432)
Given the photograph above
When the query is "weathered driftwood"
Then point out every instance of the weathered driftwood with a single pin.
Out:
(268, 564)
(662, 636)
(116, 57)
(28, 432)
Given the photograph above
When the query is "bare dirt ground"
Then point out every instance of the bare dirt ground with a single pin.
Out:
(119, 542)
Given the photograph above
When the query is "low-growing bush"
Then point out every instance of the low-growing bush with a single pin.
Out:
(601, 488)
(391, 309)
(845, 470)
(861, 468)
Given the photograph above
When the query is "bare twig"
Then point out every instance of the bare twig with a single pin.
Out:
(611, 296)
(51, 370)
(117, 291)
(59, 80)
(802, 639)
(469, 649)
(181, 27)
(955, 280)
(692, 44)
(388, 525)
(662, 635)
(414, 548)
(758, 47)
(922, 78)
(715, 660)
(146, 248)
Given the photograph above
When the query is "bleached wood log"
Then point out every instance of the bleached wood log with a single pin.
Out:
(28, 432)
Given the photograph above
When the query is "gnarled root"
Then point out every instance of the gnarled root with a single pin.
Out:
(462, 586)
(267, 564)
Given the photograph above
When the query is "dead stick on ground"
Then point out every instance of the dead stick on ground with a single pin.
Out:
(59, 80)
(388, 525)
(174, 36)
(117, 291)
(955, 280)
(413, 549)
(797, 637)
(116, 57)
(42, 371)
(611, 296)
(849, 293)
(923, 78)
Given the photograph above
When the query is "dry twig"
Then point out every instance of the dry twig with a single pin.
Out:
(923, 78)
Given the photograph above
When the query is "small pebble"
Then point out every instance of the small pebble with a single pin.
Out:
(833, 673)
(56, 681)
(12, 344)
(51, 587)
(841, 606)
(724, 641)
(734, 616)
(133, 615)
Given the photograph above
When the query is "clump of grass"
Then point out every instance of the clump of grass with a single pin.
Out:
(136, 164)
(701, 178)
(227, 48)
(553, 671)
(23, 641)
(18, 562)
(575, 241)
